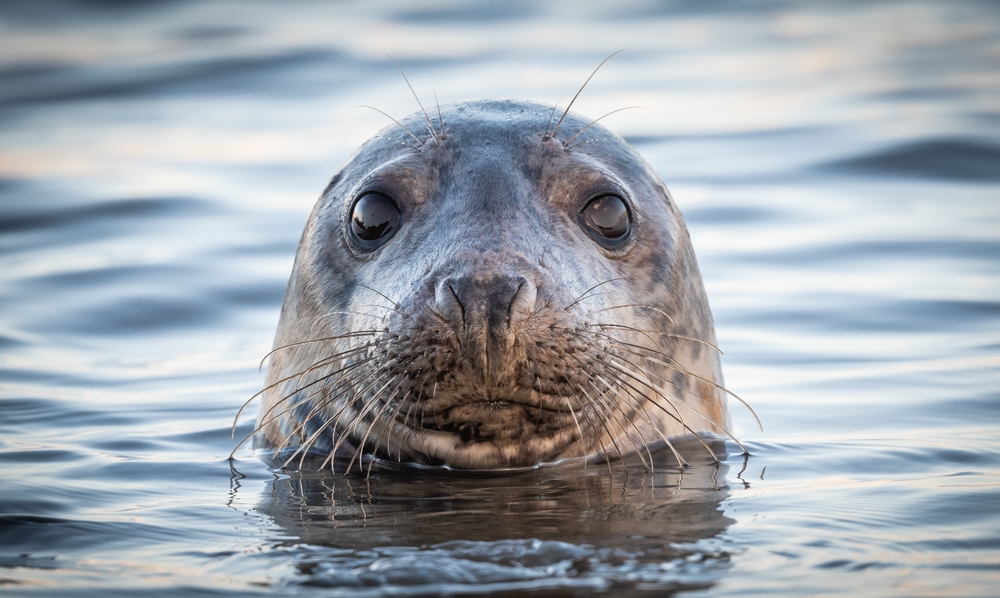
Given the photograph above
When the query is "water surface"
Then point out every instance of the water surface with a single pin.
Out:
(838, 165)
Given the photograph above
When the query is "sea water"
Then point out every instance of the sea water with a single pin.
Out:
(838, 165)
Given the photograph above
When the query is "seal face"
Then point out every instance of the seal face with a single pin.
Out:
(492, 297)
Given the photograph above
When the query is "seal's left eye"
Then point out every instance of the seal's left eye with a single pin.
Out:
(607, 219)
(374, 219)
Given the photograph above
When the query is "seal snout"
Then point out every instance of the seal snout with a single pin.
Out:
(483, 311)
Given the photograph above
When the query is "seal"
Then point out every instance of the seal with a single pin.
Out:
(492, 293)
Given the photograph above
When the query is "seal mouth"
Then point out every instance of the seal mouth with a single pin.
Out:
(496, 421)
(492, 434)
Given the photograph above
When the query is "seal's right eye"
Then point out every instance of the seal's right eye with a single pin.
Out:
(374, 219)
(608, 220)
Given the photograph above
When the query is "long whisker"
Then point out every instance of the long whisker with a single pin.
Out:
(267, 417)
(545, 135)
(304, 447)
(681, 403)
(430, 125)
(594, 122)
(372, 402)
(319, 363)
(330, 421)
(579, 430)
(650, 307)
(401, 126)
(659, 391)
(352, 334)
(440, 118)
(584, 294)
(616, 410)
(603, 325)
(556, 129)
(604, 450)
(354, 421)
(611, 435)
(320, 405)
(676, 416)
(381, 294)
(673, 365)
(387, 429)
(643, 413)
(330, 388)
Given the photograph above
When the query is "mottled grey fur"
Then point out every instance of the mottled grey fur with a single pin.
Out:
(491, 331)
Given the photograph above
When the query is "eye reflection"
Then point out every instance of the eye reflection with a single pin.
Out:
(608, 218)
(373, 218)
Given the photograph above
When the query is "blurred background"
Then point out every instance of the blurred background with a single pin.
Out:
(838, 165)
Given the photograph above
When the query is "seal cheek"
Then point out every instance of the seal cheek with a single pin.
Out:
(712, 404)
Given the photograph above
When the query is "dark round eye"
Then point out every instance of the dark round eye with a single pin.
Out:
(607, 219)
(374, 218)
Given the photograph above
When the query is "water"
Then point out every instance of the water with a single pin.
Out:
(839, 167)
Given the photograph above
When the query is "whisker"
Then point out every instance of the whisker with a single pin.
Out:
(307, 444)
(650, 307)
(372, 402)
(584, 294)
(603, 325)
(659, 391)
(611, 435)
(332, 420)
(676, 415)
(353, 334)
(603, 448)
(556, 129)
(408, 132)
(679, 402)
(328, 387)
(594, 122)
(319, 363)
(676, 367)
(267, 418)
(627, 435)
(440, 118)
(640, 409)
(322, 404)
(545, 135)
(330, 314)
(430, 125)
(350, 426)
(388, 429)
(579, 430)
(381, 294)
(615, 410)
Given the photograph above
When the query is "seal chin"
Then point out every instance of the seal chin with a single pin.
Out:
(437, 447)
(492, 434)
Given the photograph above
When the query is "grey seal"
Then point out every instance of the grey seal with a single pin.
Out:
(482, 290)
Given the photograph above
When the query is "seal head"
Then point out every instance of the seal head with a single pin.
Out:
(487, 296)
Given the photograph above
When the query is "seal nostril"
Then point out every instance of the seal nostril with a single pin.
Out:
(458, 300)
(448, 301)
(523, 302)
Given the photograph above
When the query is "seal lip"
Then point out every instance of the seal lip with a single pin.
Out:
(447, 448)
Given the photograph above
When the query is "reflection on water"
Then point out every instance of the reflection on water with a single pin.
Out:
(551, 529)
(838, 165)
